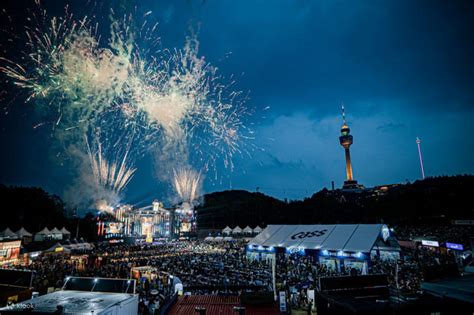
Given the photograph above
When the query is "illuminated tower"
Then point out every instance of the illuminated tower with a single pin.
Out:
(346, 141)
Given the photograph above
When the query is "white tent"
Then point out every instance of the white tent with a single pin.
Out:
(248, 230)
(44, 231)
(227, 230)
(7, 233)
(209, 239)
(237, 230)
(56, 234)
(228, 239)
(218, 239)
(23, 233)
(64, 231)
(43, 234)
(340, 237)
(257, 229)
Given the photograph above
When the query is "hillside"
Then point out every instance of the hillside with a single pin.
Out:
(433, 200)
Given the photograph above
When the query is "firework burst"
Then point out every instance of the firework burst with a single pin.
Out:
(165, 99)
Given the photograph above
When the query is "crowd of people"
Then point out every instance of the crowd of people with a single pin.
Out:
(224, 268)
(460, 234)
(202, 268)
(199, 266)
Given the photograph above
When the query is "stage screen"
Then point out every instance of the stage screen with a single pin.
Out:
(114, 228)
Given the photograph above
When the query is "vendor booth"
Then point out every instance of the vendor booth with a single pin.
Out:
(237, 230)
(8, 234)
(24, 235)
(56, 234)
(227, 230)
(247, 230)
(66, 234)
(43, 235)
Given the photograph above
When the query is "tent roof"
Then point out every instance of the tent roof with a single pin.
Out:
(363, 237)
(227, 229)
(22, 232)
(55, 231)
(64, 231)
(58, 245)
(248, 229)
(258, 229)
(44, 231)
(346, 237)
(8, 233)
(237, 229)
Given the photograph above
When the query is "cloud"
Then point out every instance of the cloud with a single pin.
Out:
(303, 154)
(390, 126)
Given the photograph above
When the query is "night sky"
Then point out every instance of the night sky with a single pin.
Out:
(402, 68)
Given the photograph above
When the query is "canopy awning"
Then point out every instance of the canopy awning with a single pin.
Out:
(64, 231)
(7, 233)
(226, 230)
(55, 231)
(44, 231)
(345, 237)
(23, 232)
(237, 229)
(248, 229)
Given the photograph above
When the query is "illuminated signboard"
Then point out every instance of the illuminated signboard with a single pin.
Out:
(9, 251)
(454, 246)
(430, 243)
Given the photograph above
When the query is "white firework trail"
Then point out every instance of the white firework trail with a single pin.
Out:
(187, 183)
(111, 175)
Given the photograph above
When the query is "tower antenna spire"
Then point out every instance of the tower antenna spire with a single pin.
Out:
(418, 142)
(343, 113)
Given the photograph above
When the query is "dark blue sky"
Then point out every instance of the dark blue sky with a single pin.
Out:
(402, 68)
